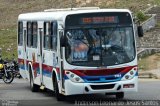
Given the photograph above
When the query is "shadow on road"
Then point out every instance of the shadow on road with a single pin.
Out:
(88, 99)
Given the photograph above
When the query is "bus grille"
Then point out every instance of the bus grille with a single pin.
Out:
(97, 87)
(102, 80)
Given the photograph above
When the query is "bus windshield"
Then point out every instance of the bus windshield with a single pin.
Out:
(100, 46)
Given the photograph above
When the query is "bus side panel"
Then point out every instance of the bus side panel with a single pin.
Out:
(32, 58)
(49, 61)
(21, 62)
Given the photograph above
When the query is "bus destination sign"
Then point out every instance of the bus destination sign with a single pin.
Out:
(99, 20)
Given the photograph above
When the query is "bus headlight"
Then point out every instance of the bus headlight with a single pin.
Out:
(127, 76)
(73, 77)
(130, 74)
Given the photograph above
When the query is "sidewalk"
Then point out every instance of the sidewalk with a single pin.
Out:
(150, 74)
(147, 79)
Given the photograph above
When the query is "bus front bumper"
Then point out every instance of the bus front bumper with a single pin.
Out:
(72, 88)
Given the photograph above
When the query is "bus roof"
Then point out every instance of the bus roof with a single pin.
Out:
(60, 14)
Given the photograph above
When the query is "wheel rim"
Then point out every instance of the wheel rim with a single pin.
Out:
(9, 78)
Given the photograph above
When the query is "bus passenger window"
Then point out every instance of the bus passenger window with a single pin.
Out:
(29, 34)
(47, 35)
(54, 35)
(20, 33)
(34, 35)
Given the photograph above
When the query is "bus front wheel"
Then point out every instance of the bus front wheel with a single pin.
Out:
(120, 95)
(33, 87)
(59, 96)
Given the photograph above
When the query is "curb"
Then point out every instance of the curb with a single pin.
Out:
(148, 75)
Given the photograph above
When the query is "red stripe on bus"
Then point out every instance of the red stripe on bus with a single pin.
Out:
(101, 72)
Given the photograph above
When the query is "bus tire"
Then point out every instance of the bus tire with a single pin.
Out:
(58, 96)
(120, 95)
(33, 87)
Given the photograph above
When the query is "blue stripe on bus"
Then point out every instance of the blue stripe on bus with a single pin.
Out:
(101, 78)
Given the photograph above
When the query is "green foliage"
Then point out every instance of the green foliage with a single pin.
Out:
(144, 63)
(8, 43)
(158, 24)
(141, 16)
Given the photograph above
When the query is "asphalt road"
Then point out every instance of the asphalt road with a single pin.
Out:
(18, 94)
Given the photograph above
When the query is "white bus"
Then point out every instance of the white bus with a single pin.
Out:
(79, 51)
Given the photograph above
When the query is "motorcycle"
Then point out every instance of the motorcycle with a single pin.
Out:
(15, 68)
(6, 71)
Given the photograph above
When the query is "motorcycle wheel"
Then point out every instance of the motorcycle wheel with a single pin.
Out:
(8, 79)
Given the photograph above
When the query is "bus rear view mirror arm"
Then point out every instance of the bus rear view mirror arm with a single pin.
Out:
(62, 39)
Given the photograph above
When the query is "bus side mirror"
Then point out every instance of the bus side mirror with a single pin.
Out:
(62, 39)
(140, 31)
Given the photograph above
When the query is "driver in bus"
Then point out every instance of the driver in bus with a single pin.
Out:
(79, 47)
(96, 40)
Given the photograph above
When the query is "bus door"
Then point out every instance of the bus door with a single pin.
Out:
(24, 51)
(61, 55)
(39, 55)
(49, 56)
